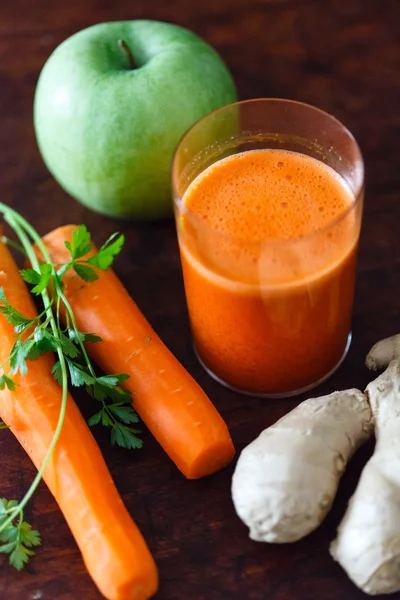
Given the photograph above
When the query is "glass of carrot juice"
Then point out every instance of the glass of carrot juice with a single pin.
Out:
(268, 199)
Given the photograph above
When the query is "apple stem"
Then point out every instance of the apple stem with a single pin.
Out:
(122, 44)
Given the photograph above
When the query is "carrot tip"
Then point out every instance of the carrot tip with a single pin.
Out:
(216, 457)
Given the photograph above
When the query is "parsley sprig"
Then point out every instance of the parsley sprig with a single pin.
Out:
(18, 538)
(35, 337)
(44, 333)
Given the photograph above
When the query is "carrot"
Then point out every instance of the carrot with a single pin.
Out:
(112, 547)
(172, 405)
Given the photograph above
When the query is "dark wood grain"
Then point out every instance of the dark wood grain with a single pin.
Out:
(342, 56)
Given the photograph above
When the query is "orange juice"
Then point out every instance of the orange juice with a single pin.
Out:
(270, 305)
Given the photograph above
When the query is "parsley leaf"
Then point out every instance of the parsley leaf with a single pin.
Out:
(44, 342)
(106, 419)
(57, 372)
(124, 413)
(18, 355)
(40, 280)
(112, 380)
(84, 272)
(13, 316)
(78, 374)
(81, 242)
(80, 245)
(125, 437)
(101, 391)
(95, 419)
(117, 412)
(30, 275)
(18, 538)
(68, 346)
(6, 381)
(105, 256)
(5, 507)
(121, 433)
(78, 336)
(29, 537)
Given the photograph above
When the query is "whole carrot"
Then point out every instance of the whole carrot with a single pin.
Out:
(174, 407)
(112, 547)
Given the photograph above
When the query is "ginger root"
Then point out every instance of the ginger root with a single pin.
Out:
(383, 352)
(286, 479)
(368, 540)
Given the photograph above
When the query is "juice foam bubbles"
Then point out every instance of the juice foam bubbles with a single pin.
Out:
(268, 194)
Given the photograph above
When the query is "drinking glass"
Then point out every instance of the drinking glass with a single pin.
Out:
(271, 317)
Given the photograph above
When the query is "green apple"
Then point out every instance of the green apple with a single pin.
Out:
(111, 104)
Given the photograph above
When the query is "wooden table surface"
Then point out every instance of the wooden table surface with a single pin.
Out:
(341, 55)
